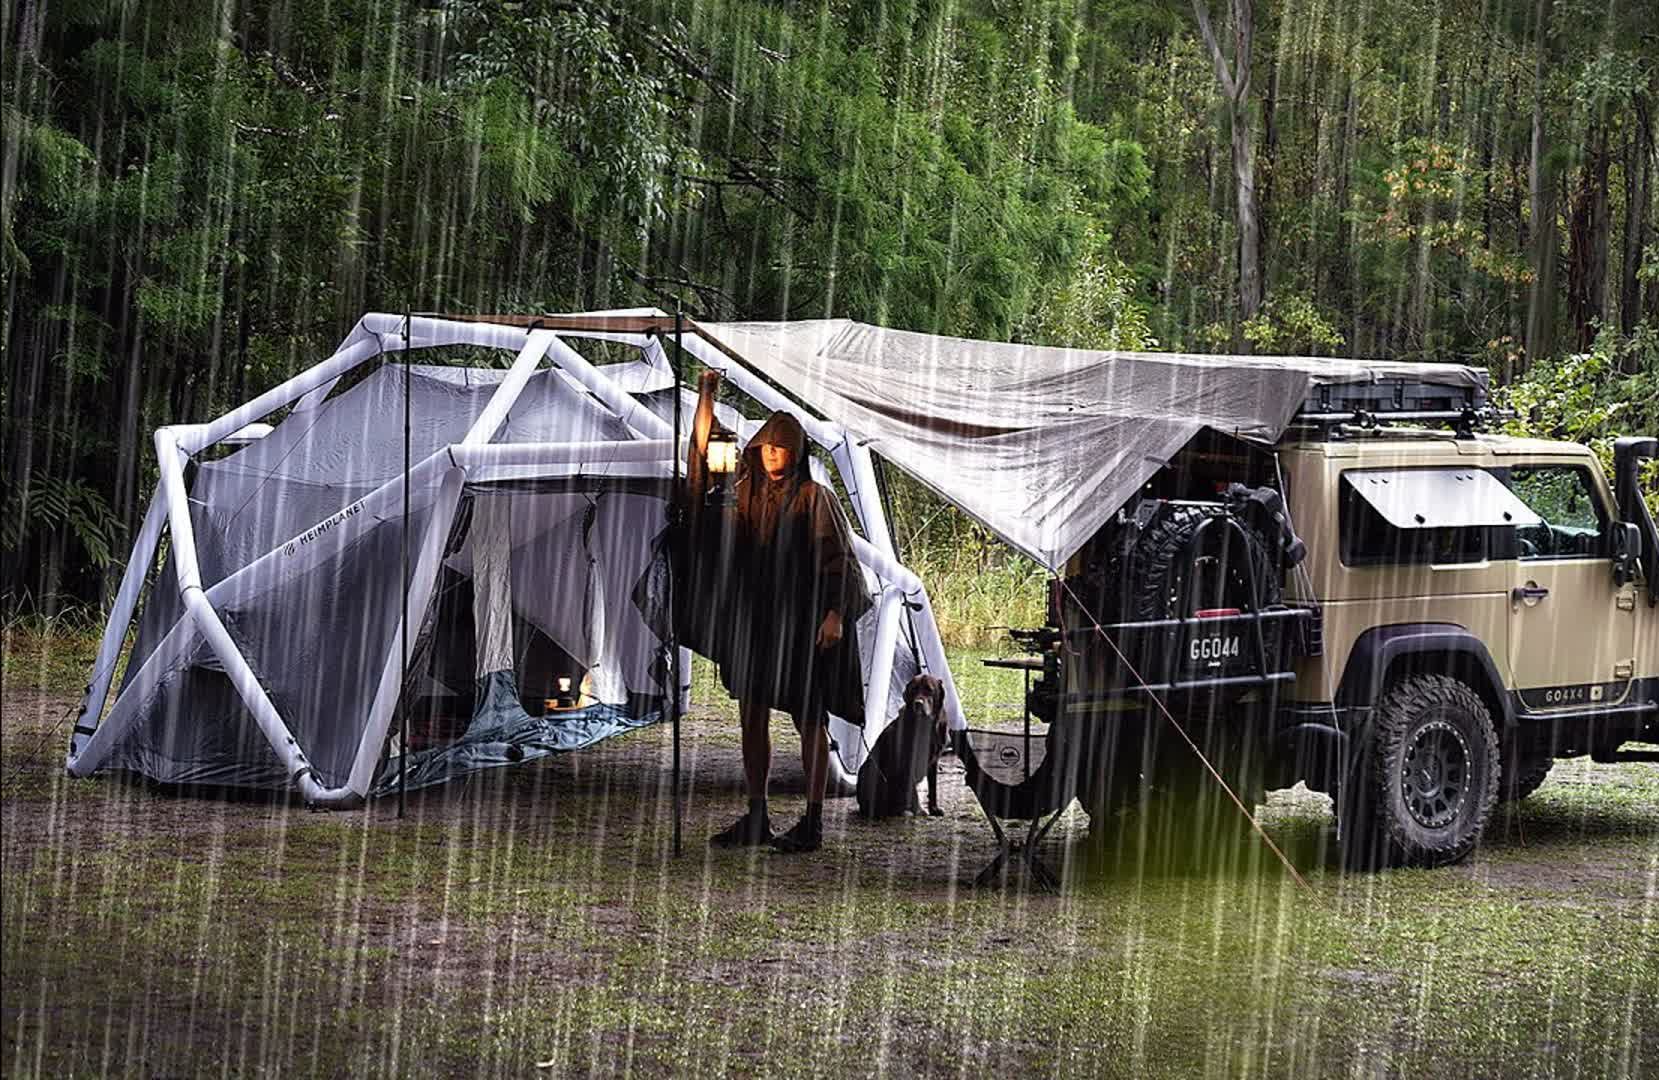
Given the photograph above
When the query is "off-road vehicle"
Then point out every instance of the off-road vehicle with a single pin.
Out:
(1416, 620)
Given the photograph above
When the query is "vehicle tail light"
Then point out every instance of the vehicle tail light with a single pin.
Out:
(1215, 613)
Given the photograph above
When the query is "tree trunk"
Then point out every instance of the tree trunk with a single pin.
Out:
(1638, 180)
(1587, 243)
(1541, 297)
(1248, 213)
(1348, 262)
(1234, 80)
(1270, 146)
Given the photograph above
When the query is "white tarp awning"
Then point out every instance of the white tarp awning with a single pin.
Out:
(1040, 444)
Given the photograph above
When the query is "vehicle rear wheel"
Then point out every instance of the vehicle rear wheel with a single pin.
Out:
(1165, 810)
(1426, 783)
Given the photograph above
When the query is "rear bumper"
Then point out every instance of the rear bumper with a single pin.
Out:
(1189, 657)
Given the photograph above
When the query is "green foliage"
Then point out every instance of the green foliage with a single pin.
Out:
(1096, 308)
(66, 507)
(205, 200)
(1649, 270)
(1594, 397)
(1293, 325)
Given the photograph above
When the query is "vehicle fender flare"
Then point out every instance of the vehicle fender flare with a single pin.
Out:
(1380, 649)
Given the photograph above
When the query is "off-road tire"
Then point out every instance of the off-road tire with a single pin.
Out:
(1159, 811)
(1427, 780)
(1152, 563)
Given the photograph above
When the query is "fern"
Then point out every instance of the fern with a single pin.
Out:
(54, 503)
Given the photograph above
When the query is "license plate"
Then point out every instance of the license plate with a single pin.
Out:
(1213, 650)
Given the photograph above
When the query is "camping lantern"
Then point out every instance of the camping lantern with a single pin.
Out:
(722, 459)
(566, 697)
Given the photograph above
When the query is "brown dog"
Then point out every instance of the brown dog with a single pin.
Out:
(907, 748)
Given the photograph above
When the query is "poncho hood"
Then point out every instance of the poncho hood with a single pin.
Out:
(780, 429)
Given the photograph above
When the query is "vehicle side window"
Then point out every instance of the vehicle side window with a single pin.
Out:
(1575, 522)
(1369, 540)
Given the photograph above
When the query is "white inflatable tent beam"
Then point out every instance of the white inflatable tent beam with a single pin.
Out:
(372, 336)
(357, 347)
(173, 444)
(324, 540)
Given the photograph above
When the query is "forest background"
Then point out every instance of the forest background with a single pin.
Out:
(200, 199)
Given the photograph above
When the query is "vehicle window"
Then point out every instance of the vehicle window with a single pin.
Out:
(1369, 540)
(1575, 522)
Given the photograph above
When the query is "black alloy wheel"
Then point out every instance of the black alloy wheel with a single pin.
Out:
(1434, 774)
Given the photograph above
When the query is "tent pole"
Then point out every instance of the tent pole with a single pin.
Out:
(120, 617)
(403, 629)
(673, 592)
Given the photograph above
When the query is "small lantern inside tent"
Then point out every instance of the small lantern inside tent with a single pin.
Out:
(722, 459)
(566, 697)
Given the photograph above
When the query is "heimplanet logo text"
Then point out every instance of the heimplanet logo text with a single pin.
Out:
(321, 527)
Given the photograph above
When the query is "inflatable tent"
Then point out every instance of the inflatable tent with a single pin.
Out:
(507, 515)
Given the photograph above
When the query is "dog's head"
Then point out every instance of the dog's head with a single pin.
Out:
(924, 703)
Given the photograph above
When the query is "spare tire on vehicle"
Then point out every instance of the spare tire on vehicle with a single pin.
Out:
(1228, 567)
(1170, 560)
(1175, 560)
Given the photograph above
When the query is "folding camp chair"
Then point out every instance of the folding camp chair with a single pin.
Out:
(1038, 796)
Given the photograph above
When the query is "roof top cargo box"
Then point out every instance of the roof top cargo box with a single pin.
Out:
(1398, 398)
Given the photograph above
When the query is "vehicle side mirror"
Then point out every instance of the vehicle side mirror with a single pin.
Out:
(1629, 451)
(1627, 550)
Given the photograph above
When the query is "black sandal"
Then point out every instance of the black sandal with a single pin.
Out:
(807, 835)
(746, 831)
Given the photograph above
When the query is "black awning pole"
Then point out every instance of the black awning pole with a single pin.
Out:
(403, 626)
(673, 593)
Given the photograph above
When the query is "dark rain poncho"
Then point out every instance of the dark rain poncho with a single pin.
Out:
(759, 577)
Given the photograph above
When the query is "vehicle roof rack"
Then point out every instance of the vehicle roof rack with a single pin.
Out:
(1334, 406)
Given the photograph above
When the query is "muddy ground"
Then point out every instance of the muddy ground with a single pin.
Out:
(537, 921)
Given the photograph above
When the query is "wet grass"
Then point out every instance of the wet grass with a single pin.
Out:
(538, 916)
(55, 653)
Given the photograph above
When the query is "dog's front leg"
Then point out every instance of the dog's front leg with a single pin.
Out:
(933, 790)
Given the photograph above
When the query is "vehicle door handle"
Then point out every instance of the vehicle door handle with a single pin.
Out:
(1529, 593)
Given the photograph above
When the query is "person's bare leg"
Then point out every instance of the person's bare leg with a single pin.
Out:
(815, 761)
(808, 834)
(756, 721)
(755, 826)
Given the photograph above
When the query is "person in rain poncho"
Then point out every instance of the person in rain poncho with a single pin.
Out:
(773, 595)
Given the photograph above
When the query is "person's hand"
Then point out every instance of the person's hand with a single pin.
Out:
(708, 380)
(829, 631)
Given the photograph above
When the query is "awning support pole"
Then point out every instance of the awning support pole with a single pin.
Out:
(673, 592)
(403, 624)
(425, 576)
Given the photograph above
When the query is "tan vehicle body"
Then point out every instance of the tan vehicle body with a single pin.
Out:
(1468, 609)
(1581, 645)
